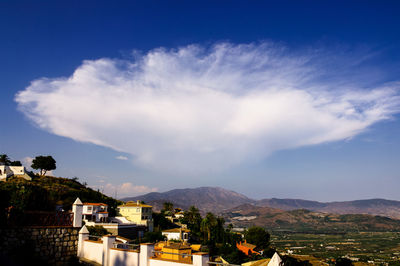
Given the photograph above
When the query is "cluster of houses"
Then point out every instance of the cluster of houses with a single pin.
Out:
(132, 220)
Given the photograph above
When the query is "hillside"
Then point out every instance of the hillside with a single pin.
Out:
(389, 208)
(45, 193)
(291, 204)
(212, 199)
(219, 199)
(307, 221)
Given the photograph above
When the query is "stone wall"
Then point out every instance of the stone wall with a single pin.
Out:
(54, 245)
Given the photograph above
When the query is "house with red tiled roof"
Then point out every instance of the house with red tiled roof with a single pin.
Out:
(247, 248)
(95, 212)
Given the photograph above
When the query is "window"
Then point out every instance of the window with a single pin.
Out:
(89, 208)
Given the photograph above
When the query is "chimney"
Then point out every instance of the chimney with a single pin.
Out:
(138, 202)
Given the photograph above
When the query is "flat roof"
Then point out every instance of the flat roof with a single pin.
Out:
(134, 204)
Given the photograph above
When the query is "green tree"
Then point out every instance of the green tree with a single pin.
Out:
(219, 231)
(193, 219)
(257, 236)
(44, 163)
(4, 159)
(152, 237)
(97, 230)
(192, 216)
(160, 222)
(207, 225)
(236, 257)
(168, 207)
(16, 163)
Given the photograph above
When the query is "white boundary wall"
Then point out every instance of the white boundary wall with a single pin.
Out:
(104, 253)
(198, 260)
(93, 251)
(119, 257)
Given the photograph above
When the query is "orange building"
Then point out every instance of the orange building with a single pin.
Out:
(247, 248)
(173, 252)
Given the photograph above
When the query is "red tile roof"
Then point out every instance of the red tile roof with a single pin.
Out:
(95, 204)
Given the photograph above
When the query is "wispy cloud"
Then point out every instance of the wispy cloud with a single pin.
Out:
(199, 109)
(121, 157)
(27, 162)
(124, 190)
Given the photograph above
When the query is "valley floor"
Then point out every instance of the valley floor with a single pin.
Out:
(377, 247)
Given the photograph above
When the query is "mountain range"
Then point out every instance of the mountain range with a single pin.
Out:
(219, 200)
(303, 220)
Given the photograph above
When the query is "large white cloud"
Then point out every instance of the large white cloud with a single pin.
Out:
(194, 108)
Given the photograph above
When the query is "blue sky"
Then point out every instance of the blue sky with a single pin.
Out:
(269, 98)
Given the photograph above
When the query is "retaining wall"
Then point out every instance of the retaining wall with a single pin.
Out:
(54, 245)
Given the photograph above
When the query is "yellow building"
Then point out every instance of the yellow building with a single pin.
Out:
(174, 252)
(138, 213)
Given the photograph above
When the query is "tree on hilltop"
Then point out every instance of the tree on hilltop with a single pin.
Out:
(4, 159)
(16, 163)
(44, 163)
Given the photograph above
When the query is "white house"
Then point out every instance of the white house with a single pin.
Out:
(137, 213)
(7, 171)
(96, 212)
(176, 234)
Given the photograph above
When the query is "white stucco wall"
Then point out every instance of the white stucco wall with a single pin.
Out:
(104, 254)
(198, 260)
(17, 170)
(93, 251)
(171, 235)
(87, 209)
(3, 175)
(5, 171)
(158, 262)
(123, 257)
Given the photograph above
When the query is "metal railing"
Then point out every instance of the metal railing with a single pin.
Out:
(127, 246)
(182, 257)
(170, 253)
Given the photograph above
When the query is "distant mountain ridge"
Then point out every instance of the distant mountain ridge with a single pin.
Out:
(302, 220)
(383, 207)
(217, 200)
(214, 199)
